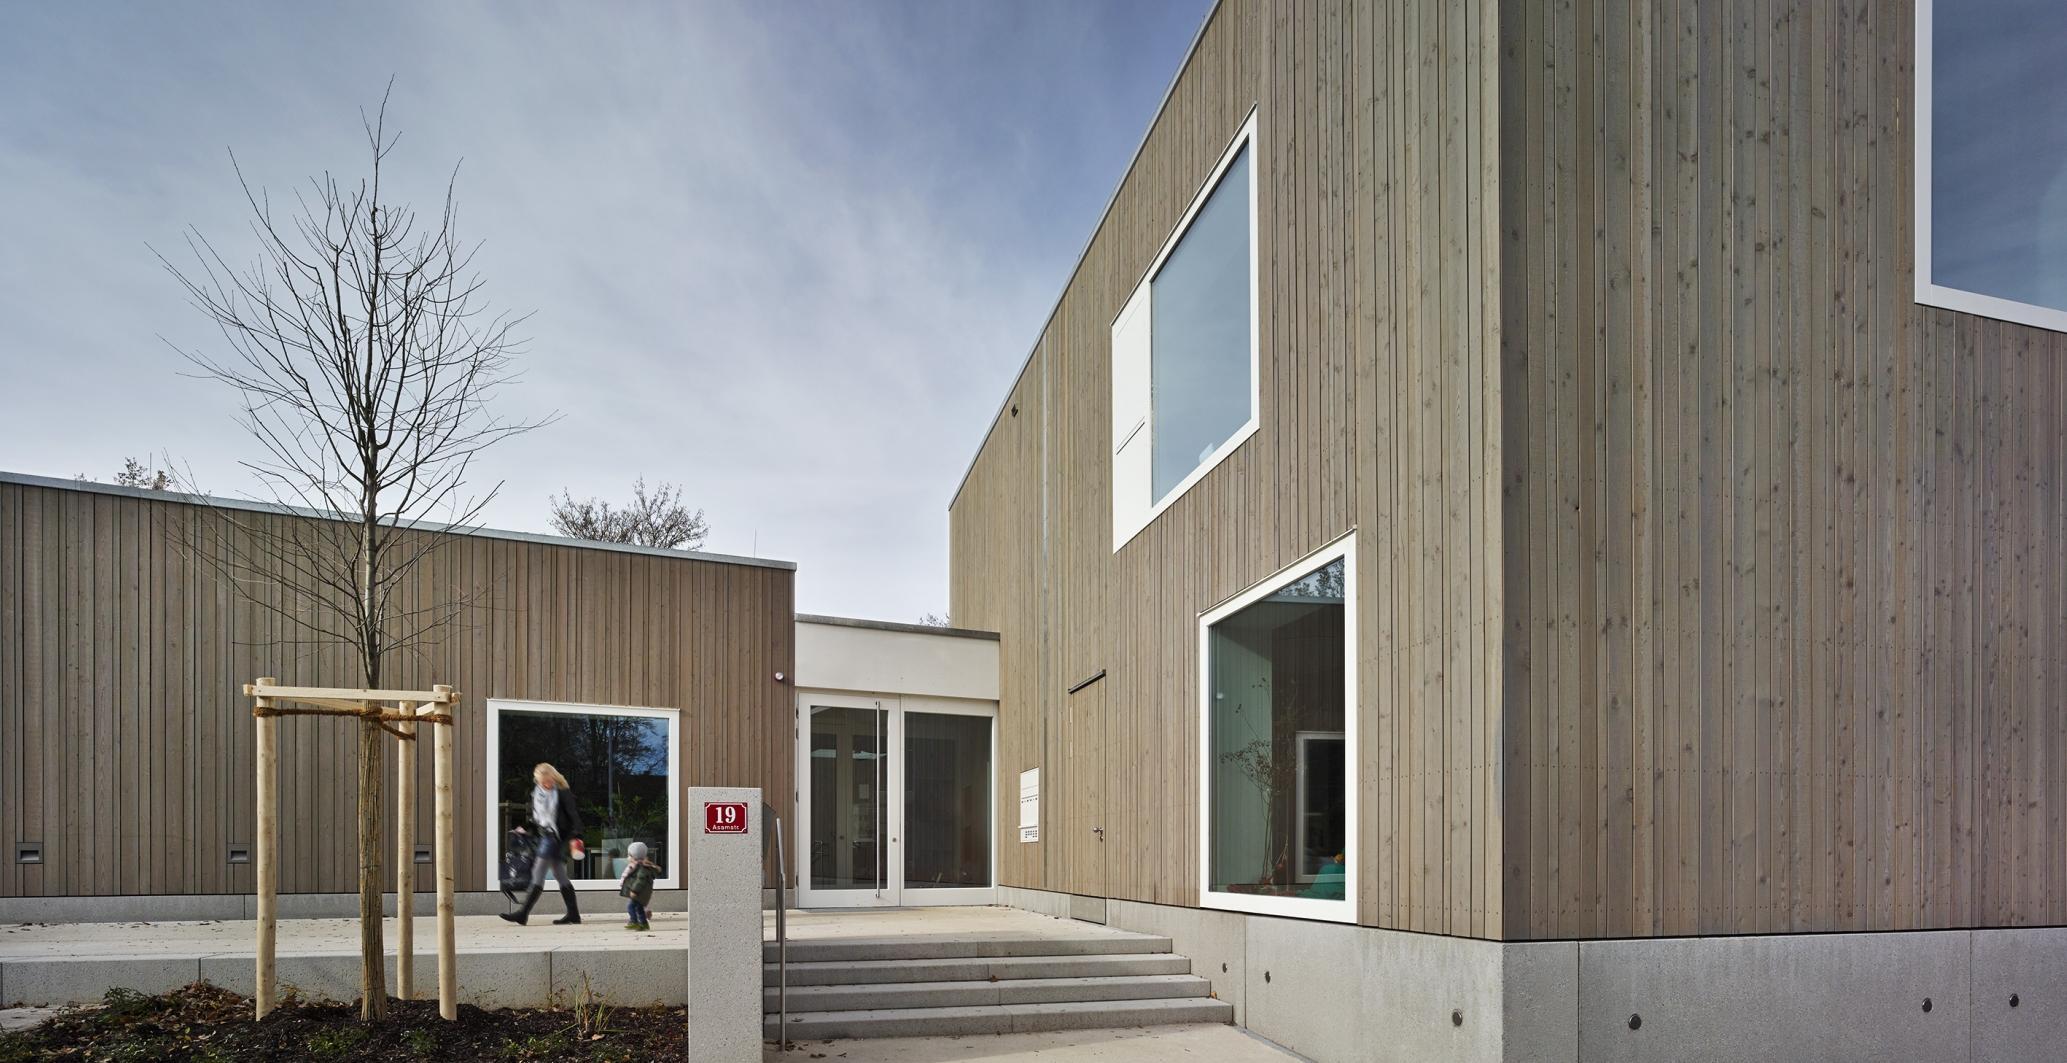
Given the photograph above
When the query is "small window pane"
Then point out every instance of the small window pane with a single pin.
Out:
(617, 768)
(1999, 149)
(1199, 334)
(947, 821)
(1275, 731)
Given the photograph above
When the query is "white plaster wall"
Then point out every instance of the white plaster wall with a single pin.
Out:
(838, 657)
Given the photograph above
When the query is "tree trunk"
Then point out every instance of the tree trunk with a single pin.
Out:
(373, 1005)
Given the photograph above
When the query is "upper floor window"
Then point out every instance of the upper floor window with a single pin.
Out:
(1991, 158)
(1184, 348)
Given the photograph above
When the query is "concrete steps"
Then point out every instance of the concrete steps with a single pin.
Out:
(949, 986)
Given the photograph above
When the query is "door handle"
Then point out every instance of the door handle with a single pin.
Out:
(1100, 831)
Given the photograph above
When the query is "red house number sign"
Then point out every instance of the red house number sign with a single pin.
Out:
(724, 817)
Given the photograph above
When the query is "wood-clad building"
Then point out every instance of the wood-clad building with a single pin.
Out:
(126, 744)
(1707, 553)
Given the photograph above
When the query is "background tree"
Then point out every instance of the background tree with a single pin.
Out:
(365, 361)
(933, 620)
(658, 519)
(138, 474)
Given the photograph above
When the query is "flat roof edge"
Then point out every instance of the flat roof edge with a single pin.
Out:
(1078, 265)
(892, 625)
(250, 506)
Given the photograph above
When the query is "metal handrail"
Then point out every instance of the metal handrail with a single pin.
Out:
(781, 932)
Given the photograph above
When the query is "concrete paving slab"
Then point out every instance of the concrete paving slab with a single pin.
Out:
(49, 981)
(23, 1018)
(829, 924)
(308, 937)
(1215, 1043)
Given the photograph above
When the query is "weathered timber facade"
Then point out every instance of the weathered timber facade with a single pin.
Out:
(126, 741)
(1709, 584)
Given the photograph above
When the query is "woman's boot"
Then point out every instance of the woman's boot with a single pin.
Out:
(523, 911)
(573, 913)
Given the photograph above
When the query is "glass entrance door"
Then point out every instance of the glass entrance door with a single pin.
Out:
(849, 781)
(895, 801)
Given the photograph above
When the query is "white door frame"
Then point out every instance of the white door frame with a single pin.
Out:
(893, 891)
(890, 798)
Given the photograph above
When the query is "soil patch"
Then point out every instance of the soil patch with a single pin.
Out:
(205, 1024)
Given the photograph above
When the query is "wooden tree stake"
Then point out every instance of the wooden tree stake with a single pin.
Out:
(448, 961)
(405, 860)
(266, 841)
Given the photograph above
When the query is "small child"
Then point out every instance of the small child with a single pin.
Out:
(637, 886)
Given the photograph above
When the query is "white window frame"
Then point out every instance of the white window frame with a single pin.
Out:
(1345, 910)
(1928, 292)
(492, 826)
(1129, 517)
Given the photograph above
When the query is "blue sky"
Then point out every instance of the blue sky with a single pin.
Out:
(788, 255)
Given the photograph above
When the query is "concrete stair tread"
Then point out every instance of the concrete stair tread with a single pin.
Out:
(900, 995)
(954, 946)
(1003, 1018)
(976, 968)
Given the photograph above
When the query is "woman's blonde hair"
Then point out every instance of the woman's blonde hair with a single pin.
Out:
(546, 771)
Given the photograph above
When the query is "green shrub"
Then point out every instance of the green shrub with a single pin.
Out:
(336, 1043)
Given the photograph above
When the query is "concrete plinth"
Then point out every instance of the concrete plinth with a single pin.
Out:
(724, 944)
(1335, 992)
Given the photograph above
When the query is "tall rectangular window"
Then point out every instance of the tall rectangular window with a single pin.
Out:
(1184, 348)
(1991, 158)
(1278, 680)
(1199, 312)
(622, 766)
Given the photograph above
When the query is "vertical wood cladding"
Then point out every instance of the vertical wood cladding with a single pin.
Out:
(1595, 319)
(1786, 590)
(1380, 409)
(127, 741)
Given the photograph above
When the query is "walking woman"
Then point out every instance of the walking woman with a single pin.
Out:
(559, 840)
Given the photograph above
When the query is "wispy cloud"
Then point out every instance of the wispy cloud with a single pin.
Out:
(786, 255)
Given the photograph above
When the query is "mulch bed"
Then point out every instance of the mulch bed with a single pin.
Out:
(205, 1024)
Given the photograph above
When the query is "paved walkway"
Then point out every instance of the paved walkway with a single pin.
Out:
(822, 924)
(487, 933)
(311, 937)
(1161, 1044)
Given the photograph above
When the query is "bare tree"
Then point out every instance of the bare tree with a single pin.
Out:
(659, 519)
(365, 358)
(139, 474)
(933, 620)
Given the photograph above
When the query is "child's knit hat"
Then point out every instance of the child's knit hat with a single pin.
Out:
(637, 851)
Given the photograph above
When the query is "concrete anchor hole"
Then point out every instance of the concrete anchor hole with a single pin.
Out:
(2013, 1000)
(1266, 977)
(1223, 968)
(1927, 1005)
(1636, 1022)
(1456, 1018)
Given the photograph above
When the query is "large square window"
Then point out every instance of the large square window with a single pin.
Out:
(1991, 158)
(622, 765)
(1184, 348)
(1278, 679)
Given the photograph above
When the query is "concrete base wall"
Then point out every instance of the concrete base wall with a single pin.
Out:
(1334, 992)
